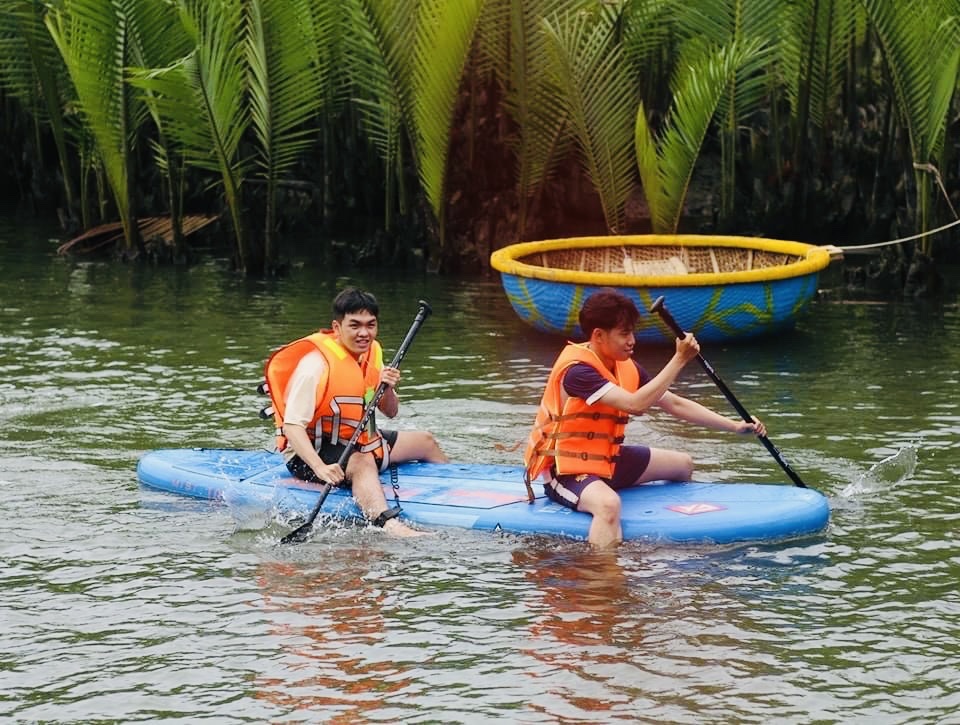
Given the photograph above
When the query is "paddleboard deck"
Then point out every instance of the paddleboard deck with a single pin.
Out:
(492, 497)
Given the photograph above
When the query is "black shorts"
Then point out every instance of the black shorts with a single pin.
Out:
(566, 490)
(330, 454)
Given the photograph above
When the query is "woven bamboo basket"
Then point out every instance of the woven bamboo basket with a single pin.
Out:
(719, 287)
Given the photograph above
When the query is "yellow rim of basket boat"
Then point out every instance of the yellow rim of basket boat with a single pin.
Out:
(812, 259)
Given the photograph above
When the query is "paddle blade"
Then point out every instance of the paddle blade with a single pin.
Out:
(298, 535)
(302, 532)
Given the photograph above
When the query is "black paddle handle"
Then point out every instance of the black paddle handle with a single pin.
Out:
(423, 312)
(659, 307)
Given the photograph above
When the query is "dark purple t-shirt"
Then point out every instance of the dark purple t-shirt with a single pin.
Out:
(583, 381)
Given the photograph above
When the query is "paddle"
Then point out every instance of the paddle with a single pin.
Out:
(302, 532)
(660, 309)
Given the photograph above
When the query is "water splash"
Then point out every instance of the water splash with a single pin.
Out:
(251, 511)
(885, 474)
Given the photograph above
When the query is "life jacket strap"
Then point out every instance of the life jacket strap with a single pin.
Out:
(588, 435)
(620, 419)
(531, 497)
(319, 442)
(267, 411)
(580, 455)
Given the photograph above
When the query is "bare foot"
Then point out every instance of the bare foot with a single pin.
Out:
(395, 527)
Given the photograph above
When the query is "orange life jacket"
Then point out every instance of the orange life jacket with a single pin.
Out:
(342, 391)
(571, 435)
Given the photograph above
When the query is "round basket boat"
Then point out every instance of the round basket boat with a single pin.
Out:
(720, 288)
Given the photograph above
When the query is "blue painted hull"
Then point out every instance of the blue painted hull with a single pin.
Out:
(715, 313)
(493, 498)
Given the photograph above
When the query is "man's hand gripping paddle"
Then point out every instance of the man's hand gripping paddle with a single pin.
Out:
(659, 307)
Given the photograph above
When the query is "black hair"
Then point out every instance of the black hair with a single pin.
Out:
(352, 300)
(608, 309)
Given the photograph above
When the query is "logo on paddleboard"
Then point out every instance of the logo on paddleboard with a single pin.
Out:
(692, 509)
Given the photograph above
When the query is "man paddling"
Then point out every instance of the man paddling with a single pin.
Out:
(576, 444)
(319, 386)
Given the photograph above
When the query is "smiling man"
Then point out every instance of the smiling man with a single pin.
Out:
(576, 444)
(319, 386)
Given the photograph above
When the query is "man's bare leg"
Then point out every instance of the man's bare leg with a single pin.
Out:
(603, 503)
(368, 492)
(417, 445)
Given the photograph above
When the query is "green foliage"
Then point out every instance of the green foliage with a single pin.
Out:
(418, 81)
(284, 90)
(666, 158)
(380, 83)
(815, 42)
(202, 99)
(593, 91)
(921, 46)
(522, 63)
(32, 70)
(720, 23)
(94, 40)
(799, 95)
(444, 33)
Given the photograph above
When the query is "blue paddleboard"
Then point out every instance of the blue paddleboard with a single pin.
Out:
(493, 498)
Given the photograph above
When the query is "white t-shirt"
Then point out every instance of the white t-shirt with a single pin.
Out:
(301, 394)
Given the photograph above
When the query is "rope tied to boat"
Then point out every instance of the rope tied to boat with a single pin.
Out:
(931, 169)
(877, 245)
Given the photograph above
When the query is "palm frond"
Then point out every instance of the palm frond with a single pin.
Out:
(712, 24)
(493, 37)
(648, 35)
(31, 69)
(541, 139)
(330, 42)
(815, 42)
(920, 45)
(92, 39)
(284, 92)
(201, 98)
(379, 80)
(445, 30)
(666, 160)
(594, 91)
(157, 38)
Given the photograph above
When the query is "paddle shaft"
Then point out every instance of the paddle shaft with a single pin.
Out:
(659, 307)
(301, 532)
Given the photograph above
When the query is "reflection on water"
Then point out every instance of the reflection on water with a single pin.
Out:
(332, 642)
(123, 604)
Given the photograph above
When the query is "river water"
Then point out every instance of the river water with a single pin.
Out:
(121, 604)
